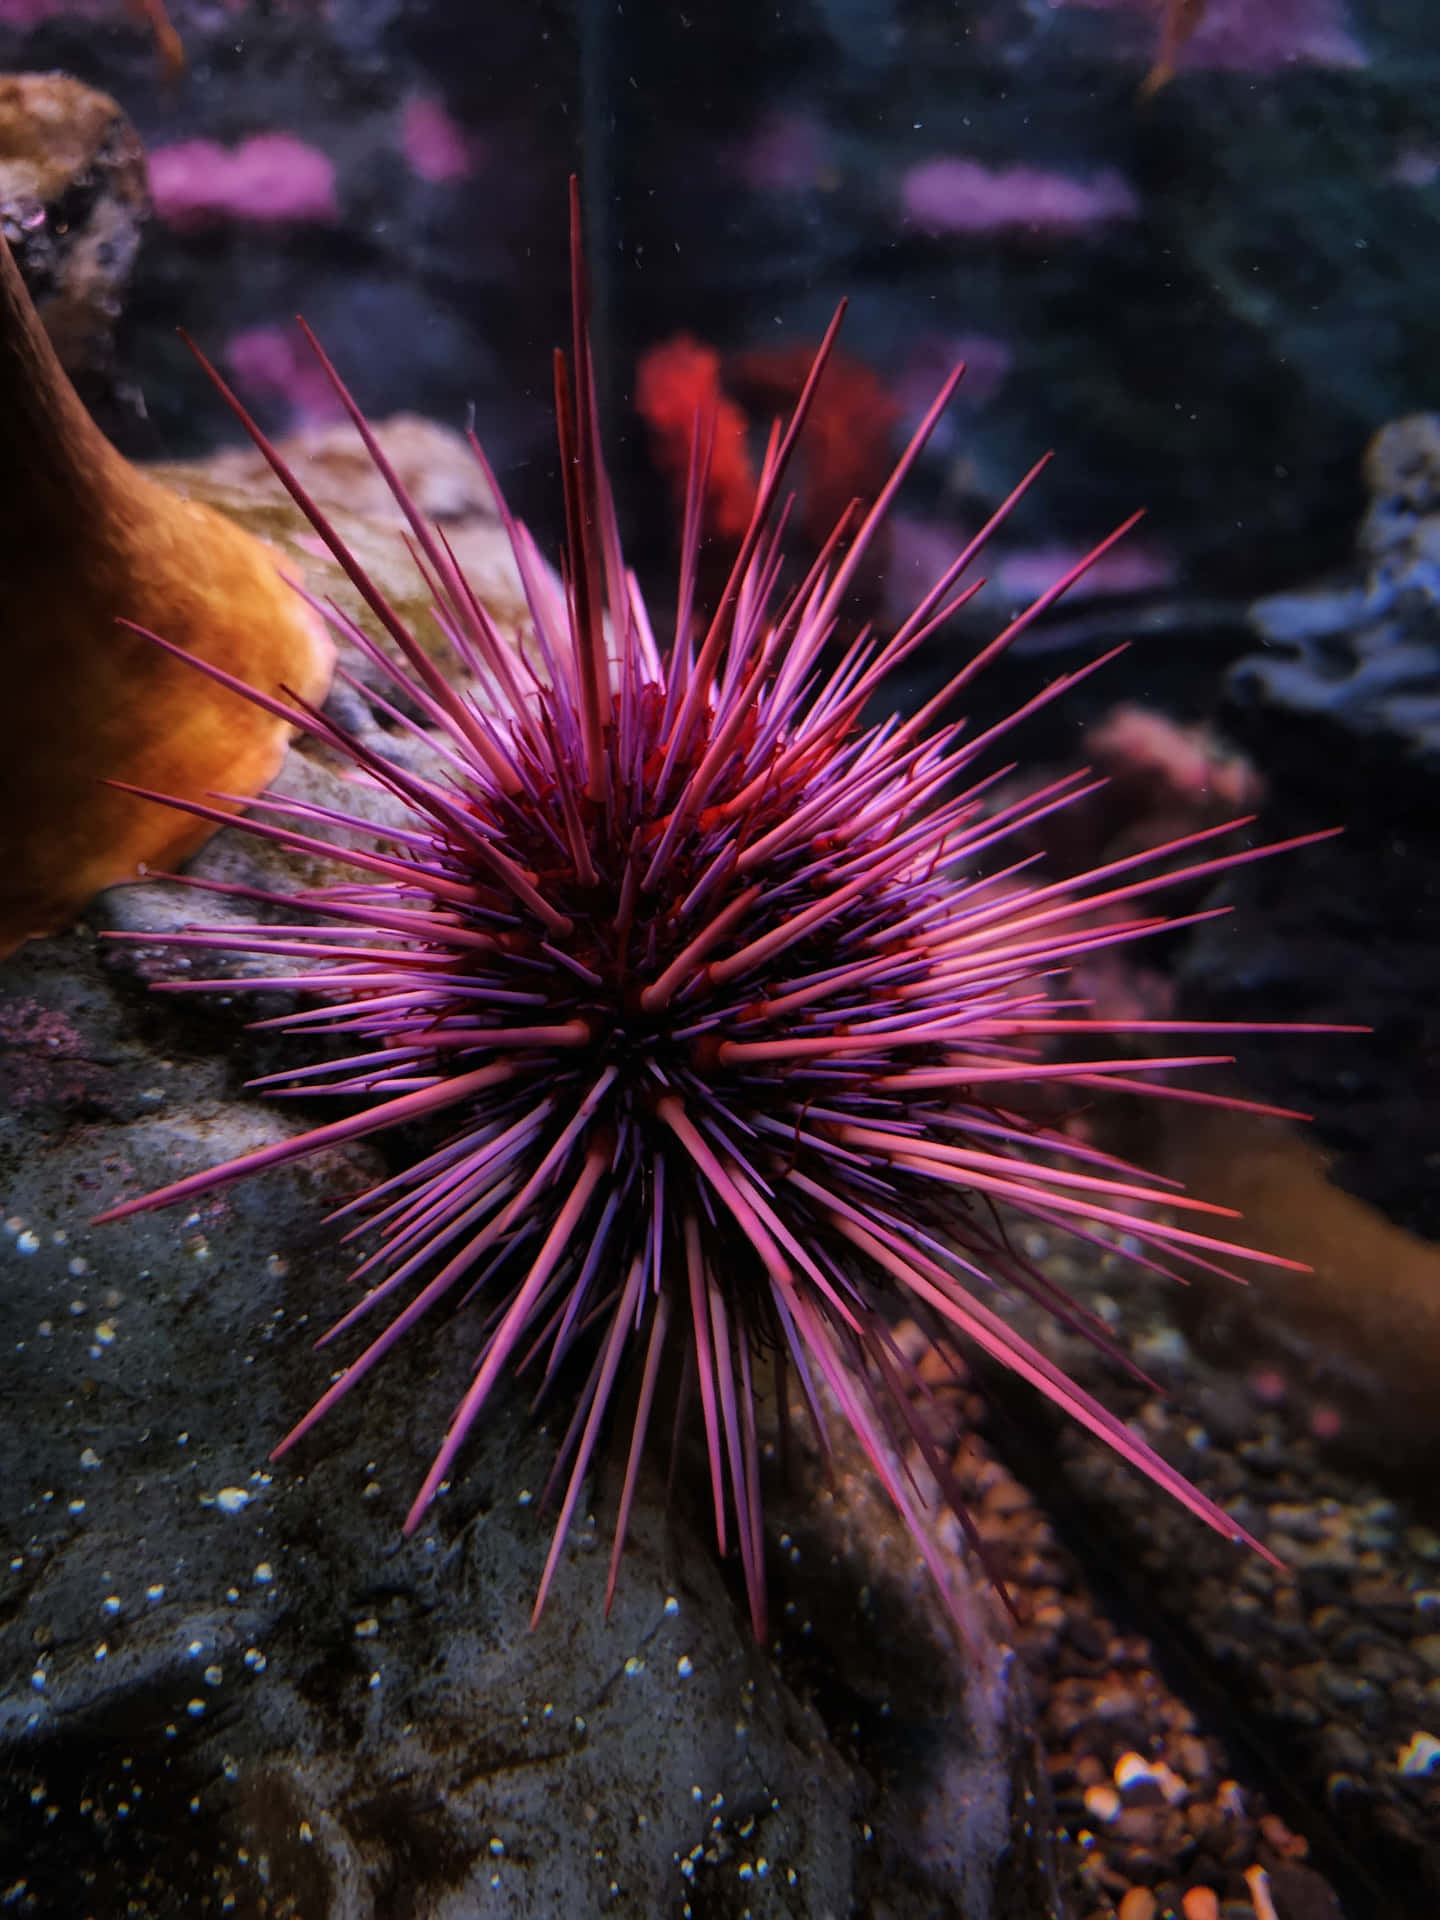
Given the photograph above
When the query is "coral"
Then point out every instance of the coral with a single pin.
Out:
(676, 383)
(267, 365)
(269, 179)
(86, 540)
(1239, 36)
(845, 456)
(435, 148)
(955, 195)
(847, 452)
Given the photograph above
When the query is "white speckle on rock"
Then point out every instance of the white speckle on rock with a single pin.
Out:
(232, 1499)
(1419, 1755)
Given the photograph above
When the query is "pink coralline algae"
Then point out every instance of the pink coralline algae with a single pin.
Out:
(1254, 36)
(954, 195)
(785, 153)
(25, 14)
(269, 179)
(267, 365)
(1139, 567)
(44, 1060)
(435, 147)
(918, 558)
(931, 357)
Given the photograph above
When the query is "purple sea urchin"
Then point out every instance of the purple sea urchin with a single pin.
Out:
(734, 1006)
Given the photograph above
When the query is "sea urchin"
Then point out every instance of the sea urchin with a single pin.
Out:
(736, 1009)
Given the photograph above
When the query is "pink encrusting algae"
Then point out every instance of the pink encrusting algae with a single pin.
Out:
(736, 1008)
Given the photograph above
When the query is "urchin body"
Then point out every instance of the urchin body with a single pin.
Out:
(737, 1015)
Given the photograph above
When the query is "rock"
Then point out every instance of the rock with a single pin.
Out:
(1363, 652)
(73, 204)
(221, 1677)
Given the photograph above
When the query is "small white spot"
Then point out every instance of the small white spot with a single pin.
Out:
(232, 1499)
(1419, 1755)
(684, 1666)
(110, 1604)
(27, 1242)
(195, 1708)
(263, 1574)
(366, 1629)
(255, 1660)
(90, 1459)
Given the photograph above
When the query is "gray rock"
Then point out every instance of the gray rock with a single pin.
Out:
(1364, 653)
(222, 1680)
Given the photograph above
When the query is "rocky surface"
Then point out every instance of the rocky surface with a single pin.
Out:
(227, 1687)
(73, 204)
(1318, 1675)
(231, 1687)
